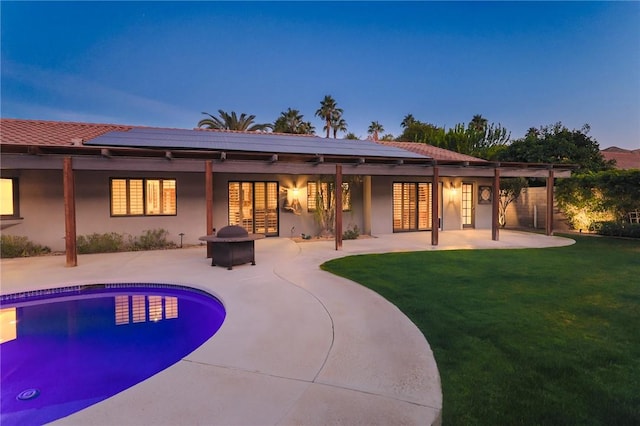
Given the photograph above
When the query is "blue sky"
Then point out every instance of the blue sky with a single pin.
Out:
(163, 63)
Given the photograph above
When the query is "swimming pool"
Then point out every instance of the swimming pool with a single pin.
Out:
(65, 349)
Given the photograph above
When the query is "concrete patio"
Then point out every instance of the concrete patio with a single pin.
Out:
(298, 346)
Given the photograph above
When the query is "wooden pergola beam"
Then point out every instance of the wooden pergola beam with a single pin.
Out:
(435, 208)
(69, 213)
(495, 207)
(549, 219)
(208, 189)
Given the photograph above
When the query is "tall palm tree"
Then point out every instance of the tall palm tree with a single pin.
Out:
(338, 125)
(288, 121)
(291, 121)
(478, 123)
(374, 129)
(231, 121)
(407, 121)
(328, 111)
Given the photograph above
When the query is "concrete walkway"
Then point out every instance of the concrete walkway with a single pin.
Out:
(298, 345)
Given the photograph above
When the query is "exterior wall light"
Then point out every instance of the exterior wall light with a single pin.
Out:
(453, 192)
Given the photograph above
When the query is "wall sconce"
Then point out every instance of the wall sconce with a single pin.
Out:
(453, 192)
(292, 205)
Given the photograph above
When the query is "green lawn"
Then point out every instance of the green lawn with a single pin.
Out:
(536, 336)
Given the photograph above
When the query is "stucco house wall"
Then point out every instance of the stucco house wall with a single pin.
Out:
(42, 207)
(290, 224)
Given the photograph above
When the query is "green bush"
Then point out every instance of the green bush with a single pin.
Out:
(606, 196)
(618, 229)
(351, 234)
(109, 242)
(14, 246)
(151, 239)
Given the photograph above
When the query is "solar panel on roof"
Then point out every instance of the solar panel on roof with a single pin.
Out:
(247, 142)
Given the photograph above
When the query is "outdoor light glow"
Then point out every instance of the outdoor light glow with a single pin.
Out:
(453, 192)
(6, 196)
(8, 330)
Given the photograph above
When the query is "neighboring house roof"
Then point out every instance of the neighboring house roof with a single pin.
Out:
(625, 159)
(434, 152)
(52, 133)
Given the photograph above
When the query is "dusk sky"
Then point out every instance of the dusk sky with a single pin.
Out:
(162, 63)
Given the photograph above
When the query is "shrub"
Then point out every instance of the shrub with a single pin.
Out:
(111, 242)
(351, 234)
(100, 243)
(14, 246)
(598, 197)
(151, 239)
(618, 229)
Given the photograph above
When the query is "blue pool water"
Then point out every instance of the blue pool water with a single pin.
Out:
(67, 349)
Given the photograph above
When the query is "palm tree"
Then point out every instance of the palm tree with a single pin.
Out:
(288, 121)
(338, 125)
(291, 121)
(231, 121)
(478, 123)
(532, 133)
(374, 129)
(328, 111)
(407, 121)
(307, 128)
(351, 135)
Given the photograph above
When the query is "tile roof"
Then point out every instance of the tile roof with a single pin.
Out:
(436, 153)
(625, 159)
(56, 133)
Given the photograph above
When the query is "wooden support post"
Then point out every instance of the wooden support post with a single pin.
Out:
(435, 206)
(495, 211)
(338, 189)
(69, 213)
(549, 221)
(208, 188)
(366, 200)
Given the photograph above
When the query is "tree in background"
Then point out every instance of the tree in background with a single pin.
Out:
(375, 128)
(329, 112)
(232, 122)
(477, 138)
(351, 136)
(478, 123)
(557, 144)
(407, 121)
(338, 124)
(291, 121)
(417, 131)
